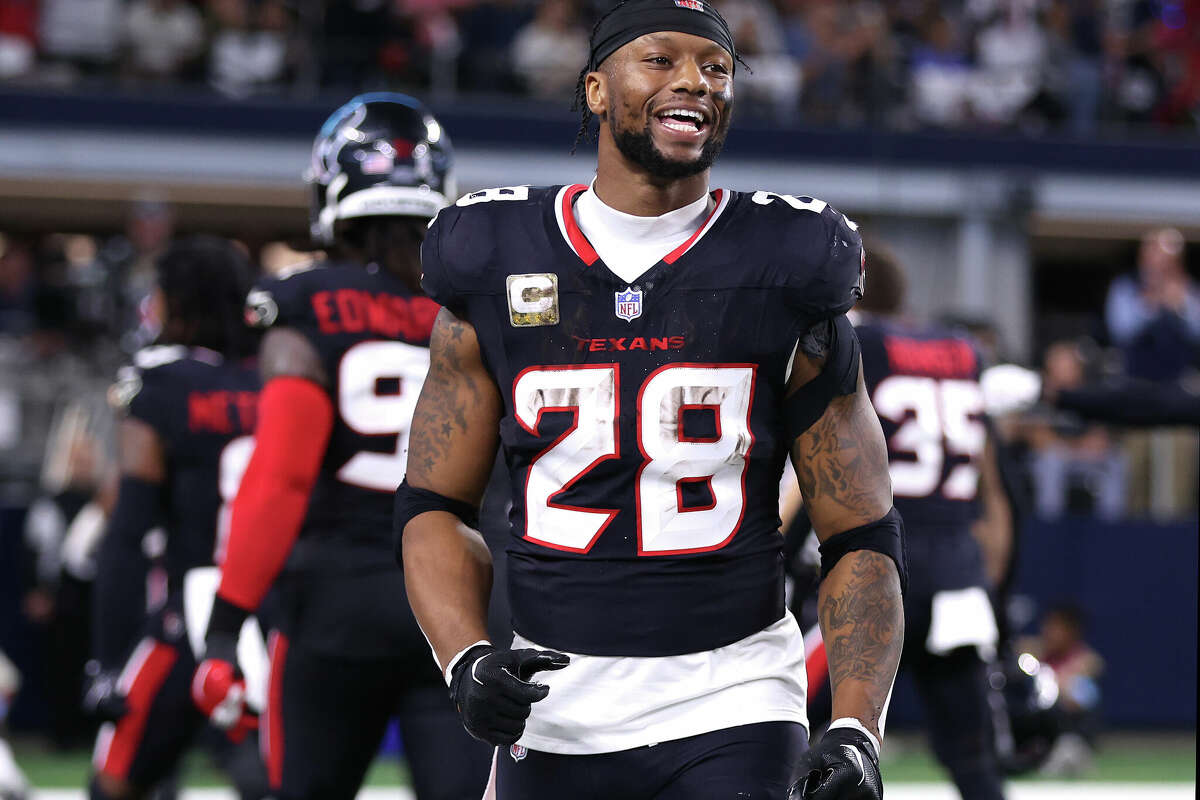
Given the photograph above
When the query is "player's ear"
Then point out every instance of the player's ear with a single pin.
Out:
(595, 87)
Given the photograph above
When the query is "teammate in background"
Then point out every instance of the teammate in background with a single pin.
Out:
(649, 352)
(189, 406)
(343, 359)
(924, 383)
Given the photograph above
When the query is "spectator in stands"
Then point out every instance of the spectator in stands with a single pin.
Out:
(489, 28)
(162, 37)
(1077, 42)
(1154, 317)
(1139, 82)
(940, 72)
(771, 86)
(837, 46)
(813, 37)
(250, 47)
(80, 35)
(1012, 55)
(547, 52)
(1177, 42)
(18, 37)
(1075, 468)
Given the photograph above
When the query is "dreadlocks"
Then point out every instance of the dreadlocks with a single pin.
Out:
(580, 102)
(204, 280)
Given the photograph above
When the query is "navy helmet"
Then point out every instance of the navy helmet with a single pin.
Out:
(381, 154)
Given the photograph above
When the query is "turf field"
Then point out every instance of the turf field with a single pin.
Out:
(1127, 768)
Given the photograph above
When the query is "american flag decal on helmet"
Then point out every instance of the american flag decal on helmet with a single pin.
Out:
(694, 5)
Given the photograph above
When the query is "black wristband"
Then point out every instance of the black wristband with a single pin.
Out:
(226, 618)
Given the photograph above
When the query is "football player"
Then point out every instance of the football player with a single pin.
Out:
(924, 383)
(345, 353)
(648, 352)
(189, 409)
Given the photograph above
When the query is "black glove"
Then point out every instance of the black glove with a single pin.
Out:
(102, 699)
(492, 692)
(842, 766)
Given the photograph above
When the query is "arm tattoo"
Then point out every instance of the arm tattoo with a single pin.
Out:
(862, 622)
(844, 457)
(448, 392)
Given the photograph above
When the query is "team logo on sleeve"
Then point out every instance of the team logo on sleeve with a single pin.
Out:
(532, 299)
(261, 309)
(629, 304)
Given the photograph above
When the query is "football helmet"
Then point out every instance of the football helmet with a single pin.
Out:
(381, 154)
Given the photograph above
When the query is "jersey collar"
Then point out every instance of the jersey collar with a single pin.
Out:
(578, 242)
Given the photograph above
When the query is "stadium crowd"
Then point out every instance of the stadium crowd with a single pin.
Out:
(1029, 65)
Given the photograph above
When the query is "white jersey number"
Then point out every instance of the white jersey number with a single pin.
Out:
(370, 407)
(936, 418)
(231, 466)
(670, 459)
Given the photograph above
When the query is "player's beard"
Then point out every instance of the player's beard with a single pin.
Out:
(639, 147)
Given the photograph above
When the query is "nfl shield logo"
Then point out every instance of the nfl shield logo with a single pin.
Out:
(517, 751)
(629, 304)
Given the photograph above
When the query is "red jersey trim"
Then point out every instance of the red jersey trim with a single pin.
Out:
(569, 227)
(722, 200)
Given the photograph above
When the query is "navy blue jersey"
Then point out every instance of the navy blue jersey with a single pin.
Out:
(203, 409)
(924, 384)
(372, 335)
(642, 427)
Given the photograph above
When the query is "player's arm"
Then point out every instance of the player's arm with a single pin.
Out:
(119, 606)
(994, 528)
(453, 441)
(295, 418)
(447, 566)
(842, 468)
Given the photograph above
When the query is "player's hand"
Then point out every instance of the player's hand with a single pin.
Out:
(219, 690)
(842, 766)
(101, 697)
(493, 691)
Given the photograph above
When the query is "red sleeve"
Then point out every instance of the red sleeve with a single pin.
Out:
(295, 417)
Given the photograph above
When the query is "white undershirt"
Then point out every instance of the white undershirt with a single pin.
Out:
(629, 245)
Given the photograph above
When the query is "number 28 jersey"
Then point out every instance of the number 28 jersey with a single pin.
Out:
(372, 335)
(642, 422)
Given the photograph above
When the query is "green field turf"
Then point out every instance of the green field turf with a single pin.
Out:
(1124, 758)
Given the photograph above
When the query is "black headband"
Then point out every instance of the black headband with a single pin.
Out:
(636, 18)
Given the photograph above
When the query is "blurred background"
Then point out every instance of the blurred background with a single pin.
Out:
(1034, 164)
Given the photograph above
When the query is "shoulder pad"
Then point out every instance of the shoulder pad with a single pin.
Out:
(282, 298)
(823, 263)
(158, 355)
(463, 238)
(295, 269)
